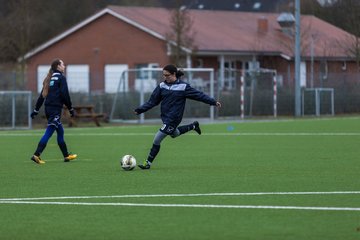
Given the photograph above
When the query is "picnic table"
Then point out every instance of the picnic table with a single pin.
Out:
(83, 112)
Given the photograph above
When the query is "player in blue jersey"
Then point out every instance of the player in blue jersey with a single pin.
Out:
(172, 94)
(55, 94)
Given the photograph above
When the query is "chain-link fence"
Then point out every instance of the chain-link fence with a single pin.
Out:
(11, 81)
(257, 98)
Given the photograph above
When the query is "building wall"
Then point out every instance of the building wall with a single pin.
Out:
(108, 40)
(99, 43)
(320, 72)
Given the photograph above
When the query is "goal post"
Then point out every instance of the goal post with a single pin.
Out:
(258, 92)
(15, 109)
(317, 101)
(140, 84)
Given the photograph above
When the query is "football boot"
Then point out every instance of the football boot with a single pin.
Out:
(37, 159)
(70, 157)
(197, 127)
(145, 165)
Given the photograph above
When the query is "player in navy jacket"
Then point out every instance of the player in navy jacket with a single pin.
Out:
(55, 94)
(172, 94)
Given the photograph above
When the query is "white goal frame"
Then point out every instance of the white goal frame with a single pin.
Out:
(13, 95)
(317, 99)
(242, 89)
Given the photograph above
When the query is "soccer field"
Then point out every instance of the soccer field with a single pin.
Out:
(288, 179)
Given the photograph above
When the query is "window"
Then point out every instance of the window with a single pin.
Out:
(145, 74)
(78, 78)
(146, 80)
(42, 71)
(115, 74)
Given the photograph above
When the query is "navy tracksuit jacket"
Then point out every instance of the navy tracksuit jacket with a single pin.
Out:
(173, 98)
(58, 93)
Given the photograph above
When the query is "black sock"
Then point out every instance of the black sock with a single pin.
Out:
(63, 149)
(185, 128)
(153, 152)
(40, 148)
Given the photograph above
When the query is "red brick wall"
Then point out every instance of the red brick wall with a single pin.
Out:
(122, 43)
(117, 41)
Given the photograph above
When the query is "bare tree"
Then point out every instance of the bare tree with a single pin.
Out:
(350, 11)
(288, 41)
(180, 37)
(18, 32)
(351, 45)
(343, 14)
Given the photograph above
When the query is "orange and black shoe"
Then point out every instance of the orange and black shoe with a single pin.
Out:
(70, 157)
(37, 159)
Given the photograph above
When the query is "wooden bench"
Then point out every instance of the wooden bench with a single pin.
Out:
(83, 111)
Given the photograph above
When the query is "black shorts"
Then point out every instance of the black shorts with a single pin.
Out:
(53, 115)
(167, 129)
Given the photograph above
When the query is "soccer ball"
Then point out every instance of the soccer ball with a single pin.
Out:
(128, 162)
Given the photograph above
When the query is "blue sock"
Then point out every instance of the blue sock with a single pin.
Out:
(43, 141)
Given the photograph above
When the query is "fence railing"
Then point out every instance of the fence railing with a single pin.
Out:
(257, 97)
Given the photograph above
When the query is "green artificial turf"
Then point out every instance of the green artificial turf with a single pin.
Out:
(288, 179)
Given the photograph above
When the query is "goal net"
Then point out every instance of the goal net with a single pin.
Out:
(15, 109)
(136, 85)
(258, 93)
(248, 93)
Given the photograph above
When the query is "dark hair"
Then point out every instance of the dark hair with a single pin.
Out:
(172, 69)
(54, 65)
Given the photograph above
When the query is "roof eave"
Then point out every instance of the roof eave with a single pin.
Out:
(87, 21)
(240, 53)
(65, 34)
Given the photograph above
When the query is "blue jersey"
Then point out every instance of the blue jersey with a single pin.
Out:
(173, 98)
(58, 94)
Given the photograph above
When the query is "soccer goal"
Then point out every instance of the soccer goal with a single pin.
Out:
(136, 85)
(15, 109)
(318, 101)
(258, 93)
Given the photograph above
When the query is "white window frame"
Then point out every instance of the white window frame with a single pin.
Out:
(42, 71)
(78, 78)
(303, 74)
(114, 74)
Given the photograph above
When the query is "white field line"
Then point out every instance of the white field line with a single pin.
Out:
(187, 205)
(33, 201)
(204, 134)
(183, 195)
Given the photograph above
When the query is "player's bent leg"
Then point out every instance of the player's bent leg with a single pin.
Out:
(159, 136)
(152, 155)
(186, 128)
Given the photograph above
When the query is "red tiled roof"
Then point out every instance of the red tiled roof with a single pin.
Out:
(228, 32)
(231, 31)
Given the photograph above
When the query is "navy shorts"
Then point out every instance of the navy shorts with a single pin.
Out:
(53, 115)
(167, 129)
